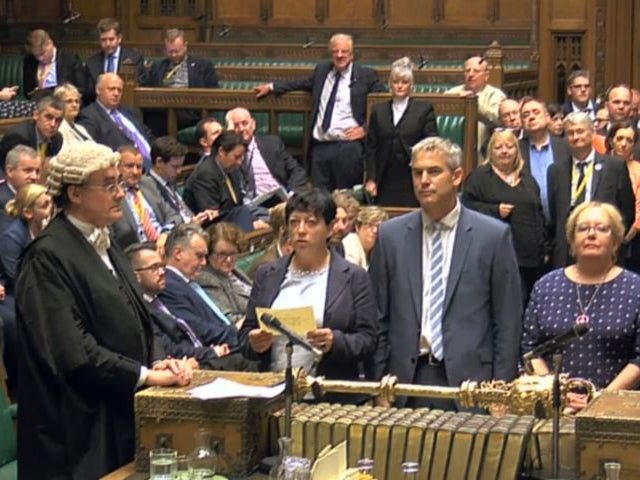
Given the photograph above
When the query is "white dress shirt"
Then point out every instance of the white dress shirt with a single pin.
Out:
(399, 106)
(342, 117)
(448, 223)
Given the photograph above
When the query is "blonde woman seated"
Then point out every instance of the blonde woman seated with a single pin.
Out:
(359, 245)
(226, 285)
(594, 291)
(71, 131)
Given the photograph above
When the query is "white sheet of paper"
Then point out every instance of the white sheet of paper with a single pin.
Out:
(224, 388)
(331, 465)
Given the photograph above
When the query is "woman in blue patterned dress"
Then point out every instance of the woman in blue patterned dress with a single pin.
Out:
(594, 291)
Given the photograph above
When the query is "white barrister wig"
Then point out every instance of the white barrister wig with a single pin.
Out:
(75, 162)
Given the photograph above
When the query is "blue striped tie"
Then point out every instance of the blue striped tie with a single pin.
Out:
(210, 303)
(436, 293)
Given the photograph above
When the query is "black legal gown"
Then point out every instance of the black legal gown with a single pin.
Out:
(83, 336)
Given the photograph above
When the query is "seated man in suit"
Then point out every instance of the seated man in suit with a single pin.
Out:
(579, 91)
(110, 124)
(177, 337)
(22, 167)
(216, 183)
(267, 164)
(110, 57)
(180, 70)
(168, 157)
(146, 216)
(280, 246)
(209, 129)
(186, 253)
(584, 176)
(476, 82)
(338, 119)
(539, 148)
(40, 133)
(447, 284)
(46, 66)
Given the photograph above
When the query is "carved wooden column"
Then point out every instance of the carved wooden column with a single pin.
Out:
(495, 58)
(493, 10)
(322, 10)
(438, 11)
(534, 41)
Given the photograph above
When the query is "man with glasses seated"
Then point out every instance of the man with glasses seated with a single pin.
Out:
(178, 338)
(147, 217)
(86, 336)
(186, 253)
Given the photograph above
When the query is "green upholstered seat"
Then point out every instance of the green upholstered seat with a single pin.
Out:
(11, 72)
(246, 261)
(8, 446)
(452, 127)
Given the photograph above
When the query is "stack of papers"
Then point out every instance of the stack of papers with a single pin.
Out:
(223, 388)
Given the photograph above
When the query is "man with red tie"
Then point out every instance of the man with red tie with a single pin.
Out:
(147, 217)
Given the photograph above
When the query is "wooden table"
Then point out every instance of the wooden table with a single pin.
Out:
(128, 472)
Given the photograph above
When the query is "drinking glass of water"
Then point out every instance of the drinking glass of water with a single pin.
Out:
(163, 463)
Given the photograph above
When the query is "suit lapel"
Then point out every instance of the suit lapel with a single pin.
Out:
(458, 256)
(414, 247)
(598, 164)
(336, 283)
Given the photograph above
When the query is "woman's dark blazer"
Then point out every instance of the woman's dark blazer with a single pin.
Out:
(350, 312)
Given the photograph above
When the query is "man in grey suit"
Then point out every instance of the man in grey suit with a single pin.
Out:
(146, 215)
(447, 285)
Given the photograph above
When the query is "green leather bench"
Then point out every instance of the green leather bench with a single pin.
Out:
(11, 72)
(8, 445)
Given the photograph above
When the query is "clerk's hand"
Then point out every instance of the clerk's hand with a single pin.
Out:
(322, 339)
(576, 402)
(371, 188)
(260, 340)
(354, 133)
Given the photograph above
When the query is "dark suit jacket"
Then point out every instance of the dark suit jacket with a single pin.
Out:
(202, 73)
(168, 197)
(349, 312)
(68, 69)
(185, 303)
(609, 183)
(482, 311)
(364, 80)
(14, 239)
(389, 143)
(284, 168)
(559, 147)
(25, 134)
(105, 131)
(6, 194)
(567, 108)
(94, 67)
(206, 188)
(125, 230)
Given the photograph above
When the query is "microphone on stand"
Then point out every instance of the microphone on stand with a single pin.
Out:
(226, 28)
(272, 322)
(308, 43)
(556, 342)
(423, 62)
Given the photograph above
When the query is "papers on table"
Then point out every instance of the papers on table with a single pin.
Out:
(223, 388)
(300, 320)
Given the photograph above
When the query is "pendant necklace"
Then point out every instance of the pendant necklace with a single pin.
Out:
(583, 318)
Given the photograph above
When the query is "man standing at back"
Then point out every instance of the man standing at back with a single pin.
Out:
(447, 284)
(110, 57)
(338, 119)
(476, 82)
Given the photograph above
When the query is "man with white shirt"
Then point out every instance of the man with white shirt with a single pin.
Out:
(585, 176)
(580, 92)
(22, 167)
(113, 125)
(338, 119)
(85, 332)
(447, 284)
(111, 56)
(267, 165)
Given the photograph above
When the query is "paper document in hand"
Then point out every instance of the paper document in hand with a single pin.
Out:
(299, 320)
(223, 388)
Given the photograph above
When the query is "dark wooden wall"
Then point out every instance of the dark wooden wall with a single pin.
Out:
(599, 35)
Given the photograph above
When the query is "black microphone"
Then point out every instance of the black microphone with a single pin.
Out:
(553, 344)
(272, 322)
(226, 28)
(308, 43)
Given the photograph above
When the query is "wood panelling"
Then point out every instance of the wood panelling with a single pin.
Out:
(465, 12)
(292, 12)
(354, 13)
(238, 11)
(410, 12)
(570, 9)
(515, 11)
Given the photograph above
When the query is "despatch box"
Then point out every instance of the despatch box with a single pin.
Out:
(608, 430)
(169, 417)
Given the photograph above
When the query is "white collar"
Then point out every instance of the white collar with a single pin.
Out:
(158, 177)
(589, 158)
(96, 236)
(178, 272)
(448, 222)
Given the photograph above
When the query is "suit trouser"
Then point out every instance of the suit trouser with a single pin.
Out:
(337, 164)
(428, 374)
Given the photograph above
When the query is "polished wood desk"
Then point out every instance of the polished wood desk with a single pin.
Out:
(128, 472)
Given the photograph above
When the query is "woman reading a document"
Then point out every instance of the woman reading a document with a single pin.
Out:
(338, 292)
